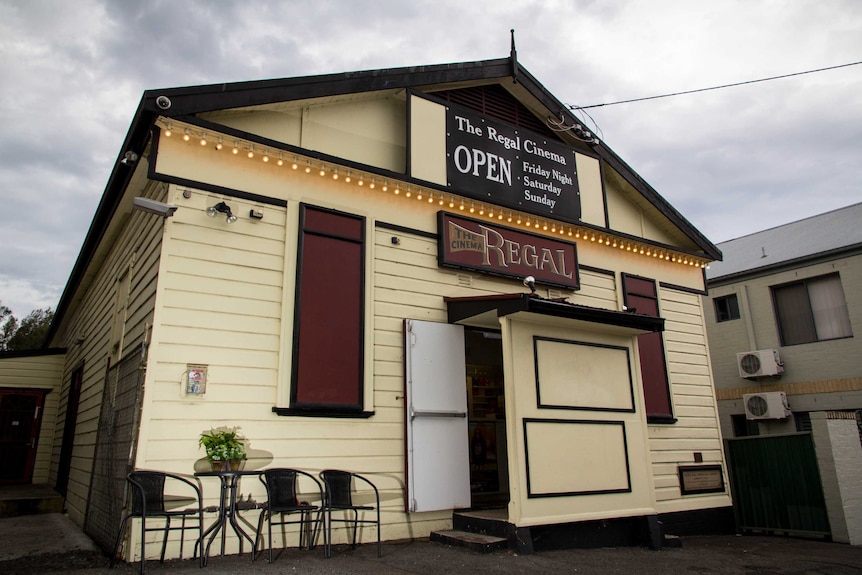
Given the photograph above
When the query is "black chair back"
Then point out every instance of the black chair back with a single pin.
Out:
(151, 488)
(338, 488)
(281, 489)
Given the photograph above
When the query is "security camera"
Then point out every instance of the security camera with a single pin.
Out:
(163, 102)
(154, 207)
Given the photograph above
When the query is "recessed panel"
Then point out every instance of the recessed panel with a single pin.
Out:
(579, 375)
(576, 457)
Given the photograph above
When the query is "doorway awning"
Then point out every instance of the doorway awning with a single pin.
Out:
(485, 310)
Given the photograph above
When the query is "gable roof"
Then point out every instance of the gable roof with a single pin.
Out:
(185, 103)
(819, 236)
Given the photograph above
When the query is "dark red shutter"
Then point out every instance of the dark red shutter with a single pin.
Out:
(640, 294)
(328, 346)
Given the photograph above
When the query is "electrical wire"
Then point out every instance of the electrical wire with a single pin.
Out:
(573, 107)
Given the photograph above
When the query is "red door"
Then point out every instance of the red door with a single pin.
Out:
(20, 418)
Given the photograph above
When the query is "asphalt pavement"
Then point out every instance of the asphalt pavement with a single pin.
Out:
(51, 543)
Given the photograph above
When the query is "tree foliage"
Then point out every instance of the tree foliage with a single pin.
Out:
(26, 334)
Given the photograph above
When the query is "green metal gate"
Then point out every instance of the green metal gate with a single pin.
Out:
(776, 485)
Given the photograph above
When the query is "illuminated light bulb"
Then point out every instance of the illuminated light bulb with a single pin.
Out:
(280, 161)
(294, 165)
(500, 216)
(419, 196)
(491, 213)
(482, 210)
(570, 232)
(642, 251)
(562, 231)
(322, 171)
(203, 141)
(527, 223)
(472, 208)
(250, 153)
(554, 228)
(186, 135)
(431, 200)
(362, 182)
(308, 167)
(509, 217)
(441, 201)
(219, 145)
(334, 173)
(397, 190)
(544, 227)
(235, 149)
(519, 220)
(592, 238)
(407, 194)
(168, 131)
(451, 203)
(265, 157)
(385, 187)
(372, 185)
(461, 207)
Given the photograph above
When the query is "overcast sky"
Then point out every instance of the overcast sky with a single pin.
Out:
(732, 161)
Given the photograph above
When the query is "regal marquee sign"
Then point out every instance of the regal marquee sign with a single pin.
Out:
(471, 244)
(508, 166)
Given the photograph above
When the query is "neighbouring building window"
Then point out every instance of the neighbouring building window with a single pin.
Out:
(328, 354)
(726, 308)
(802, 420)
(641, 295)
(743, 427)
(811, 310)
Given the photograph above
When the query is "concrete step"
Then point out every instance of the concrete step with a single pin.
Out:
(473, 541)
(17, 500)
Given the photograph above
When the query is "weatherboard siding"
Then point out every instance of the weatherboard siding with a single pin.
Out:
(135, 248)
(696, 429)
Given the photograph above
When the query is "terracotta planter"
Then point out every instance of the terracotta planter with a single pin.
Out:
(228, 465)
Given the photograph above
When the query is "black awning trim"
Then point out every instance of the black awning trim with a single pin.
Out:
(460, 309)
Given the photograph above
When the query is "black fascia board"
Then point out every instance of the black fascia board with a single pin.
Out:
(207, 98)
(462, 308)
(135, 141)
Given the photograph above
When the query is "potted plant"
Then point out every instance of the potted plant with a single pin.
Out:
(225, 448)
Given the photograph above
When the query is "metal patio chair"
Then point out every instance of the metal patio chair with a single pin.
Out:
(148, 500)
(339, 487)
(282, 493)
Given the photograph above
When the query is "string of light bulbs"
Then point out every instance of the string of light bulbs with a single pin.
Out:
(250, 150)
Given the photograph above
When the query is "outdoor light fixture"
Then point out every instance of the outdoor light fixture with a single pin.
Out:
(530, 282)
(154, 207)
(221, 208)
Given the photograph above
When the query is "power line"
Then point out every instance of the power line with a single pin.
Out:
(714, 87)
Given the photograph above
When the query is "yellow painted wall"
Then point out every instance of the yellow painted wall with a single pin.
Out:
(87, 332)
(238, 279)
(38, 372)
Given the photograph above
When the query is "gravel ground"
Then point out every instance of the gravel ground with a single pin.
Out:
(710, 554)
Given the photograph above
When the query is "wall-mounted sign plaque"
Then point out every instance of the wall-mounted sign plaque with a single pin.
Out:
(701, 479)
(477, 245)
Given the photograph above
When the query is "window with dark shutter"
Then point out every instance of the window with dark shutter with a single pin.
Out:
(641, 296)
(328, 354)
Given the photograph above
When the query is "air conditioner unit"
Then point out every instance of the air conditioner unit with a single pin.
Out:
(759, 363)
(768, 405)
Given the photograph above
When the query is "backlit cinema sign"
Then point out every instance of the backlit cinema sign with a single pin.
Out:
(508, 166)
(475, 245)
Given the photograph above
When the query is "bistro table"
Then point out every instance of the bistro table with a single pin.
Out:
(227, 511)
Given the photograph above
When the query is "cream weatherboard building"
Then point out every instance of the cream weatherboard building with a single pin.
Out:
(362, 298)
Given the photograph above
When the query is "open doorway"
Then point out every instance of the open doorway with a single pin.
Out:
(489, 469)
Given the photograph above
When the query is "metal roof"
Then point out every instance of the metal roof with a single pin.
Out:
(831, 232)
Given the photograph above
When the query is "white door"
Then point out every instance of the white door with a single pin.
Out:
(438, 465)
